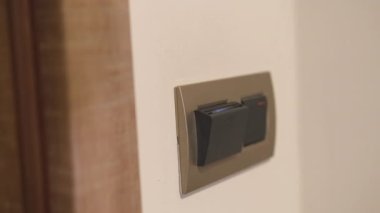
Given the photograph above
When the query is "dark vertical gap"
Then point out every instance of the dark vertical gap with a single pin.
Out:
(40, 109)
(27, 107)
(11, 186)
(52, 95)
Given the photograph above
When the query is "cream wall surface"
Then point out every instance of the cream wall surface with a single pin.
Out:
(177, 42)
(338, 86)
(324, 58)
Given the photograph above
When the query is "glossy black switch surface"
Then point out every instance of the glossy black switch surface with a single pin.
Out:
(221, 131)
(257, 118)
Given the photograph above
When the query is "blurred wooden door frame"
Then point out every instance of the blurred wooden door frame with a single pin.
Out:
(39, 66)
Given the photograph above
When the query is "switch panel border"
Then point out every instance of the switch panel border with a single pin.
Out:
(189, 97)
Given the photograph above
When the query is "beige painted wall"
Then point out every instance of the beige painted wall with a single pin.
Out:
(339, 85)
(324, 57)
(180, 41)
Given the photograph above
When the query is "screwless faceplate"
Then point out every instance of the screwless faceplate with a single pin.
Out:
(243, 89)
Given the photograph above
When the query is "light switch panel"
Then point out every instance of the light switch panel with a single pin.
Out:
(223, 126)
(257, 118)
(221, 131)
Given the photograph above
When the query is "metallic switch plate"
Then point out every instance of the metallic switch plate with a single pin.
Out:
(189, 97)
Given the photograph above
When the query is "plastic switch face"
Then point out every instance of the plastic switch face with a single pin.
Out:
(224, 128)
(221, 131)
(257, 118)
(233, 133)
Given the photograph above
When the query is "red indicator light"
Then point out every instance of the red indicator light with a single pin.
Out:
(261, 103)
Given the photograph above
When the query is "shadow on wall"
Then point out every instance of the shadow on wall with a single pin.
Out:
(338, 84)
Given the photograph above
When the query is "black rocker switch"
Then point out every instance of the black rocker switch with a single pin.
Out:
(221, 130)
(257, 118)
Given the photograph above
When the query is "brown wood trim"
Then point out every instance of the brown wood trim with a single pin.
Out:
(27, 106)
(76, 110)
(11, 199)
